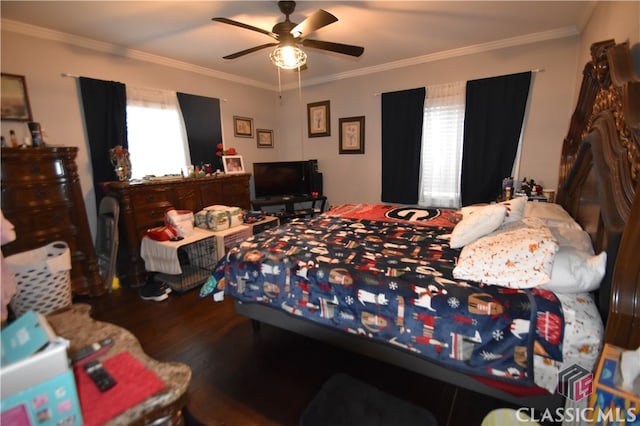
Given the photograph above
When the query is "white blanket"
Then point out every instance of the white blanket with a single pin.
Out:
(162, 256)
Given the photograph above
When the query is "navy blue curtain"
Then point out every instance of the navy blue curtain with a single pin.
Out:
(494, 113)
(202, 122)
(402, 116)
(105, 115)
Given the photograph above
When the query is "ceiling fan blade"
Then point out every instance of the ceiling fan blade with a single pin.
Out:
(247, 51)
(245, 26)
(345, 49)
(317, 20)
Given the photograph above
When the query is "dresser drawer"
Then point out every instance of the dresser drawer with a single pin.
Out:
(38, 228)
(237, 196)
(39, 238)
(150, 216)
(35, 196)
(212, 194)
(27, 171)
(144, 197)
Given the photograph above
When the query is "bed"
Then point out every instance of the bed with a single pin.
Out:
(417, 287)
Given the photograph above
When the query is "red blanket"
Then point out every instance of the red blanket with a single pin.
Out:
(395, 213)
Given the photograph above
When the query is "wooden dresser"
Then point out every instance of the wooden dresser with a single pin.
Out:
(42, 197)
(142, 206)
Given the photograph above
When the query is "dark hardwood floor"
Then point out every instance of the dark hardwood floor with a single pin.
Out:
(267, 378)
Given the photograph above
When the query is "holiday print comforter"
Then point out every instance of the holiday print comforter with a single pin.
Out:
(393, 282)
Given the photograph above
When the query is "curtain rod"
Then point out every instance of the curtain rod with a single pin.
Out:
(66, 74)
(533, 71)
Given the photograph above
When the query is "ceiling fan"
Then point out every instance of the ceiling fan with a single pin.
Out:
(289, 34)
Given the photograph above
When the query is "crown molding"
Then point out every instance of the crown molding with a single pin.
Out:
(447, 54)
(43, 33)
(47, 34)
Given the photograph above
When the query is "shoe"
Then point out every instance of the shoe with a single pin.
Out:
(160, 286)
(153, 292)
(164, 286)
(157, 285)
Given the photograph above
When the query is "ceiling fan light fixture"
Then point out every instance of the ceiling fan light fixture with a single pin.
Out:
(288, 57)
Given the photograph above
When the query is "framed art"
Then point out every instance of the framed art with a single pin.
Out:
(351, 135)
(15, 101)
(319, 119)
(264, 138)
(233, 163)
(243, 127)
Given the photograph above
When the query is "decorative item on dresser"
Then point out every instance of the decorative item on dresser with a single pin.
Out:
(42, 197)
(142, 206)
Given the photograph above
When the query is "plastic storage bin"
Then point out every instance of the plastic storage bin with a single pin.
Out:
(43, 278)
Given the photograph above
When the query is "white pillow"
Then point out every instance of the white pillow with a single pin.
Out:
(521, 258)
(553, 214)
(515, 209)
(577, 238)
(477, 224)
(576, 271)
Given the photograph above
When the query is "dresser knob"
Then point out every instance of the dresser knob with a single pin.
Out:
(35, 168)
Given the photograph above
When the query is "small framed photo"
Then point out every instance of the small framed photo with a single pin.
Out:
(264, 138)
(352, 135)
(319, 119)
(233, 163)
(242, 127)
(15, 100)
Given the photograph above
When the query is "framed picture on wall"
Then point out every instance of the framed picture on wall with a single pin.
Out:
(264, 138)
(243, 127)
(233, 163)
(351, 135)
(15, 101)
(319, 119)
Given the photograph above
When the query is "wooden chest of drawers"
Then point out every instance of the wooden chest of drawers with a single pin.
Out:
(42, 197)
(142, 206)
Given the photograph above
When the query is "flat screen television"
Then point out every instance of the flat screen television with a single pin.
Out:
(282, 178)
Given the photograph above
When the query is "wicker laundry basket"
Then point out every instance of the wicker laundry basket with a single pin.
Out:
(43, 278)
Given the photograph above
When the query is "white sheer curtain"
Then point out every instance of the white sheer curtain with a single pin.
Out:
(155, 132)
(442, 133)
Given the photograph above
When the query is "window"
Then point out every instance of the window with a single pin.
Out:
(442, 137)
(156, 134)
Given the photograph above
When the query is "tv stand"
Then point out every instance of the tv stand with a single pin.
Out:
(288, 203)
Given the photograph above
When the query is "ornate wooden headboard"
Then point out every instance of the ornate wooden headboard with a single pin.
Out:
(599, 178)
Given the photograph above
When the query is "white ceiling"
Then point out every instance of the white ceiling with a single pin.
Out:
(393, 33)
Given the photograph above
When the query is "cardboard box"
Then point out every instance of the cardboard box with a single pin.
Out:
(38, 387)
(266, 223)
(52, 402)
(231, 237)
(610, 403)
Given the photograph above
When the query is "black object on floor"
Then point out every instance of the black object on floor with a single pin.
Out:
(344, 400)
(154, 290)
